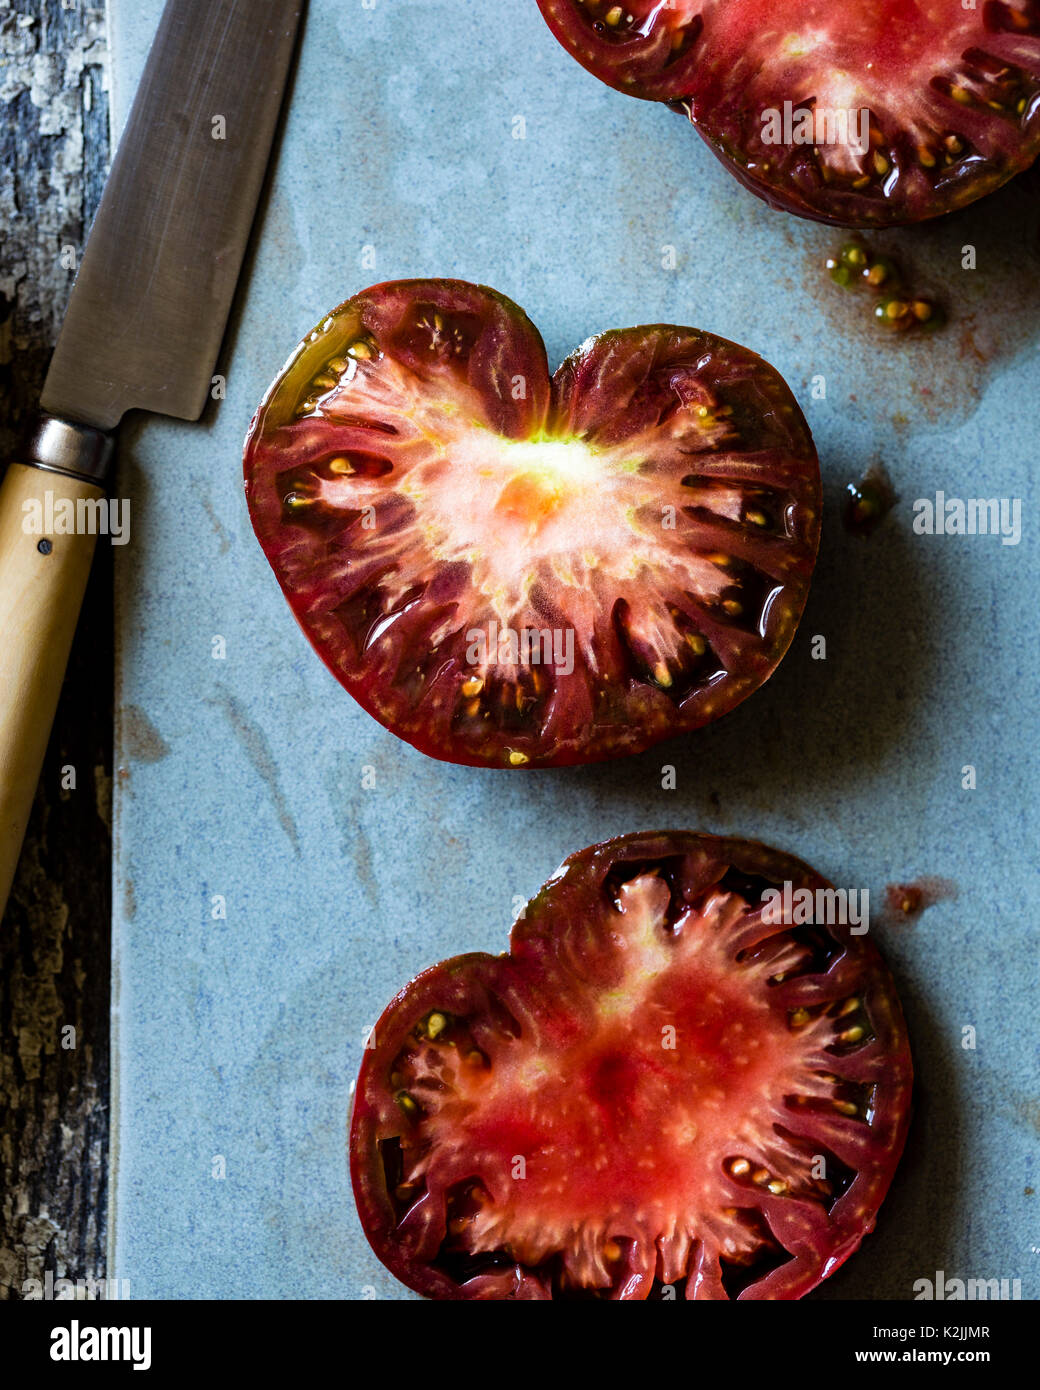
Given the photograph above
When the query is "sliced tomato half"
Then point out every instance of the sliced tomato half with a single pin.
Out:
(674, 1085)
(948, 93)
(509, 570)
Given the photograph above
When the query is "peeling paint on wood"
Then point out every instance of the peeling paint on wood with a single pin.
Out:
(55, 936)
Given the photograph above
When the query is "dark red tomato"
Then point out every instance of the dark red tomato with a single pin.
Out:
(950, 92)
(664, 1083)
(513, 571)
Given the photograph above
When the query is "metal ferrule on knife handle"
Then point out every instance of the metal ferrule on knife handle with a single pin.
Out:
(80, 451)
(43, 576)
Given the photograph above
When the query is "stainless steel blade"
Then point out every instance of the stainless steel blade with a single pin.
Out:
(149, 305)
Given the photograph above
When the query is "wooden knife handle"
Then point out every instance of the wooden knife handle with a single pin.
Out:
(42, 578)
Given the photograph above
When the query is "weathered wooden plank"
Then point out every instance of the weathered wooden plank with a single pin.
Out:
(55, 937)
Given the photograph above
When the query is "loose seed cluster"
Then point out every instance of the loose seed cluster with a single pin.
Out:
(898, 309)
(868, 502)
(907, 898)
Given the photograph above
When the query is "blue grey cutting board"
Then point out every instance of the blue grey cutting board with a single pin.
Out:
(237, 1039)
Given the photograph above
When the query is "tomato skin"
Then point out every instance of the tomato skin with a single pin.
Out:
(648, 69)
(952, 93)
(854, 211)
(651, 512)
(562, 955)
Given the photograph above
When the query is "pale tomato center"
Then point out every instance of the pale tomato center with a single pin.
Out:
(554, 511)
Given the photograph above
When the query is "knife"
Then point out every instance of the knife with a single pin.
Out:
(142, 331)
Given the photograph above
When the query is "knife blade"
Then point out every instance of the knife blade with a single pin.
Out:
(142, 330)
(147, 312)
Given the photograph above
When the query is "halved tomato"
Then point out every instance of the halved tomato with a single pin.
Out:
(680, 1082)
(513, 571)
(864, 113)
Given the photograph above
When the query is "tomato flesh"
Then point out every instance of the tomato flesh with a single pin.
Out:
(659, 1085)
(950, 95)
(510, 570)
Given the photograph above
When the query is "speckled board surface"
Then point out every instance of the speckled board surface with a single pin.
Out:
(237, 1039)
